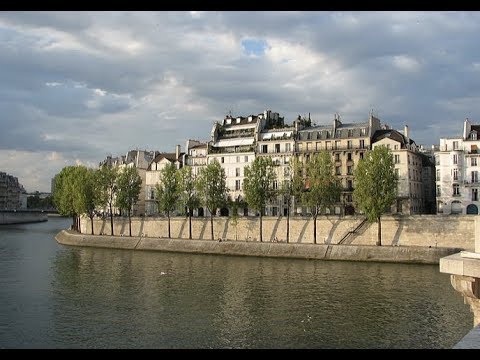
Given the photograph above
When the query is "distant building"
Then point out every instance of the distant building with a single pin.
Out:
(12, 193)
(457, 168)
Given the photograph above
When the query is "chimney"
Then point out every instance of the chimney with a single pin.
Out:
(467, 127)
(177, 151)
(405, 132)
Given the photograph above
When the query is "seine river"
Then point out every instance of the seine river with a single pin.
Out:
(54, 296)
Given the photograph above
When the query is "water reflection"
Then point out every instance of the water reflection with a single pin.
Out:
(69, 297)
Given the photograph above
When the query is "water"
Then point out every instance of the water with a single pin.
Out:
(54, 296)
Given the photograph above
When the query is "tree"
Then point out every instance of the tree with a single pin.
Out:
(212, 187)
(292, 188)
(323, 189)
(108, 189)
(168, 191)
(86, 196)
(375, 185)
(258, 185)
(63, 194)
(129, 185)
(188, 194)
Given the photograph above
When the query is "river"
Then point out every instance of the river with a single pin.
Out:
(55, 296)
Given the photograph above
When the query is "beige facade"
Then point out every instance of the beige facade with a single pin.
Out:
(408, 167)
(347, 143)
(10, 192)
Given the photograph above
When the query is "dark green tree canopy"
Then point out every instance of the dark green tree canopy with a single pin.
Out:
(258, 183)
(168, 189)
(129, 184)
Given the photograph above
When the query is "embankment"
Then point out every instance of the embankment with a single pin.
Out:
(397, 254)
(8, 217)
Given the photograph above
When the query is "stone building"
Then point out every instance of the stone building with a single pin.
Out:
(409, 168)
(12, 193)
(152, 177)
(347, 142)
(195, 155)
(457, 166)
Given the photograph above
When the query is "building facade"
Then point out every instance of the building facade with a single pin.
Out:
(457, 167)
(12, 193)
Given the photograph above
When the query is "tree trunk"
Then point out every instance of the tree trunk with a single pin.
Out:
(78, 223)
(129, 224)
(315, 228)
(111, 219)
(211, 224)
(189, 224)
(288, 224)
(379, 239)
(91, 222)
(168, 216)
(261, 237)
(74, 224)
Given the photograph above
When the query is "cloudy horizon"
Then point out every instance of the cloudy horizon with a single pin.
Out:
(78, 86)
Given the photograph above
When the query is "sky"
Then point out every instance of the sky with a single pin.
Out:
(78, 86)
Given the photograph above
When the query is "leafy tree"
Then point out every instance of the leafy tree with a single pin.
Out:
(212, 187)
(129, 185)
(375, 185)
(188, 194)
(323, 187)
(107, 178)
(258, 185)
(86, 196)
(168, 191)
(63, 194)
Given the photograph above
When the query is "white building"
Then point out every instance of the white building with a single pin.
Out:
(457, 166)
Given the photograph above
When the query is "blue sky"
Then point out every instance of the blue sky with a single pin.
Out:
(77, 86)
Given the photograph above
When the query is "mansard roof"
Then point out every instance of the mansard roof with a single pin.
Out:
(391, 134)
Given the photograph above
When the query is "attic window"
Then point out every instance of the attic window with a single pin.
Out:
(473, 135)
(229, 121)
(238, 120)
(250, 118)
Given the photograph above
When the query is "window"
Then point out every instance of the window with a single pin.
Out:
(152, 194)
(395, 147)
(275, 185)
(455, 145)
(222, 159)
(438, 175)
(327, 135)
(350, 184)
(237, 184)
(456, 189)
(350, 132)
(362, 144)
(388, 146)
(349, 144)
(348, 198)
(238, 159)
(327, 145)
(264, 149)
(349, 156)
(286, 171)
(309, 146)
(473, 161)
(337, 144)
(338, 170)
(397, 159)
(350, 170)
(300, 147)
(246, 158)
(309, 136)
(363, 131)
(474, 135)
(408, 158)
(455, 174)
(439, 192)
(277, 148)
(396, 173)
(361, 155)
(474, 176)
(455, 158)
(237, 172)
(307, 158)
(319, 146)
(287, 147)
(274, 211)
(474, 194)
(337, 156)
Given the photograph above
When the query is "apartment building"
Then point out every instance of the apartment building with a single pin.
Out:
(347, 142)
(457, 167)
(409, 163)
(12, 193)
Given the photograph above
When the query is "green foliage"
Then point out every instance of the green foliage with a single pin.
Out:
(212, 187)
(129, 185)
(188, 193)
(323, 187)
(375, 183)
(258, 183)
(36, 202)
(107, 178)
(63, 195)
(167, 190)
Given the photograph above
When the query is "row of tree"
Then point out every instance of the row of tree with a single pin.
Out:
(79, 190)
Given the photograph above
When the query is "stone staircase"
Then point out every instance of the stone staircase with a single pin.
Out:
(351, 235)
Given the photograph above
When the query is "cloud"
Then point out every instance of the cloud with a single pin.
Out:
(84, 85)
